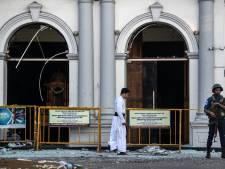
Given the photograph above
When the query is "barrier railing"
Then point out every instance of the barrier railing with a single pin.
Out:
(18, 124)
(69, 126)
(81, 126)
(158, 127)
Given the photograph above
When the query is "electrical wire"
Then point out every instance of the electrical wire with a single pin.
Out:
(41, 29)
(43, 70)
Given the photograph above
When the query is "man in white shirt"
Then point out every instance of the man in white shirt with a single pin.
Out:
(118, 129)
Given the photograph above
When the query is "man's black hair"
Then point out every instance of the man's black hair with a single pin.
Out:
(124, 91)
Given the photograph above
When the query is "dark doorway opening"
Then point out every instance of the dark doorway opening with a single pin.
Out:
(162, 83)
(166, 80)
(23, 83)
(157, 75)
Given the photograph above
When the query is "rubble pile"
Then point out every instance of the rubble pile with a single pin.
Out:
(154, 151)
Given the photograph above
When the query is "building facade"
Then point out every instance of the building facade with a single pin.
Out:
(169, 53)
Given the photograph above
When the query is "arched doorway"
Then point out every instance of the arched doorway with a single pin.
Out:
(159, 48)
(37, 71)
(37, 79)
(24, 19)
(157, 69)
(35, 19)
(157, 74)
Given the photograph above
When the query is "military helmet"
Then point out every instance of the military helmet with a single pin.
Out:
(215, 86)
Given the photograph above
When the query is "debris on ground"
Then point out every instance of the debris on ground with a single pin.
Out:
(154, 151)
(29, 143)
(21, 159)
(4, 150)
(57, 165)
(66, 165)
(16, 145)
(144, 153)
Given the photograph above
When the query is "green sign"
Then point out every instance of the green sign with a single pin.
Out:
(149, 118)
(68, 117)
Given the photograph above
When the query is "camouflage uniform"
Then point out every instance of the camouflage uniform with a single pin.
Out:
(216, 123)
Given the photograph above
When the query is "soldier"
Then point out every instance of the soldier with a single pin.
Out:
(118, 129)
(215, 110)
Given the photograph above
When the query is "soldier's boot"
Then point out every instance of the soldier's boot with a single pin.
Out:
(223, 152)
(208, 153)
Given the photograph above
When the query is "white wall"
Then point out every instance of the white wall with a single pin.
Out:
(219, 42)
(187, 10)
(126, 10)
(67, 10)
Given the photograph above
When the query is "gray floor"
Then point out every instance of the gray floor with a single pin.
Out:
(186, 159)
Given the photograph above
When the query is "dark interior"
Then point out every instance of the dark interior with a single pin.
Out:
(23, 82)
(168, 80)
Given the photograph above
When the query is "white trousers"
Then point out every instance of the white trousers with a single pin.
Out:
(117, 135)
(113, 134)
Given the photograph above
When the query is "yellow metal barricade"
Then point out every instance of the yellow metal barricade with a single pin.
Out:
(169, 135)
(18, 124)
(68, 134)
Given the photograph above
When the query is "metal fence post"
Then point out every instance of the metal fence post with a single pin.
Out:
(180, 129)
(99, 130)
(38, 129)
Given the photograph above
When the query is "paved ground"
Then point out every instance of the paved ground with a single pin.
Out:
(187, 159)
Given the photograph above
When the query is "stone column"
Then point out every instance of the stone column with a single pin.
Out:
(85, 80)
(193, 84)
(73, 80)
(107, 63)
(193, 91)
(206, 54)
(96, 30)
(3, 86)
(73, 89)
(107, 52)
(3, 81)
(199, 127)
(219, 42)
